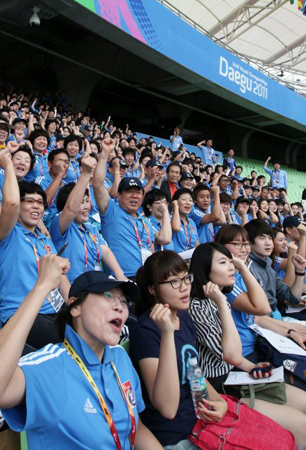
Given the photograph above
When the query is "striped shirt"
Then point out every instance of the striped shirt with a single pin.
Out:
(207, 322)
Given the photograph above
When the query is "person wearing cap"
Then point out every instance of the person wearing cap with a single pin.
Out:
(243, 211)
(153, 175)
(202, 214)
(86, 249)
(73, 145)
(293, 228)
(279, 177)
(129, 235)
(187, 181)
(83, 392)
(255, 192)
(20, 130)
(174, 174)
(40, 140)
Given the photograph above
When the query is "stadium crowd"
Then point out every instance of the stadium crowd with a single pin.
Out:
(107, 238)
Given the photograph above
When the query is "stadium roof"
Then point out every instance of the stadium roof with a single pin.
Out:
(270, 33)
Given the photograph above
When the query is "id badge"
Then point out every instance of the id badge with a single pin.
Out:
(145, 253)
(97, 267)
(56, 299)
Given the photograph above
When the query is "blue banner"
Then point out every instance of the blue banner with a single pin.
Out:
(153, 24)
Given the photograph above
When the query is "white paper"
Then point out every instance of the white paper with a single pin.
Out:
(281, 343)
(187, 254)
(239, 378)
(294, 309)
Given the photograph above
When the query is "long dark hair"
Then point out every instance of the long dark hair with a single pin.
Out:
(157, 268)
(201, 264)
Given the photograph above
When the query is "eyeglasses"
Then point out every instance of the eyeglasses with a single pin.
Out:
(124, 302)
(32, 201)
(240, 246)
(177, 283)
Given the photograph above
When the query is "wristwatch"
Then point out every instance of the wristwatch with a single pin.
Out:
(289, 332)
(299, 274)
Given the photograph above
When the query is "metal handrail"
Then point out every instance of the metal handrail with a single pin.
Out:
(228, 47)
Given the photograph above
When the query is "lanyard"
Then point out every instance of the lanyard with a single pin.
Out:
(74, 171)
(137, 233)
(103, 404)
(38, 160)
(188, 238)
(48, 250)
(275, 173)
(94, 240)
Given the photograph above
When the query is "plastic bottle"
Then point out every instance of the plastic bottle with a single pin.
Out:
(198, 384)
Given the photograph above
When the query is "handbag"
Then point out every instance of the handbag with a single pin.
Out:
(270, 392)
(241, 428)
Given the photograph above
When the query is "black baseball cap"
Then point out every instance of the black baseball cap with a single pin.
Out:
(20, 119)
(122, 162)
(243, 199)
(291, 221)
(128, 183)
(98, 282)
(187, 176)
(153, 163)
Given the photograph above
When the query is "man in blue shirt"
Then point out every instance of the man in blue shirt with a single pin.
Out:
(52, 182)
(202, 214)
(129, 235)
(176, 140)
(208, 153)
(278, 177)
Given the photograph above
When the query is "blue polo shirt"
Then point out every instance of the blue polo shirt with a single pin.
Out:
(242, 320)
(278, 178)
(41, 168)
(118, 229)
(156, 225)
(45, 183)
(208, 155)
(62, 410)
(84, 250)
(186, 238)
(19, 269)
(73, 173)
(109, 180)
(206, 231)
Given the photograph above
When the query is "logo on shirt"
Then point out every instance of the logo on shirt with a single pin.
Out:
(89, 408)
(129, 393)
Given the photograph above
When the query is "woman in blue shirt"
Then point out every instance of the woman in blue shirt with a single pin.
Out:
(83, 393)
(73, 145)
(185, 234)
(87, 249)
(155, 207)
